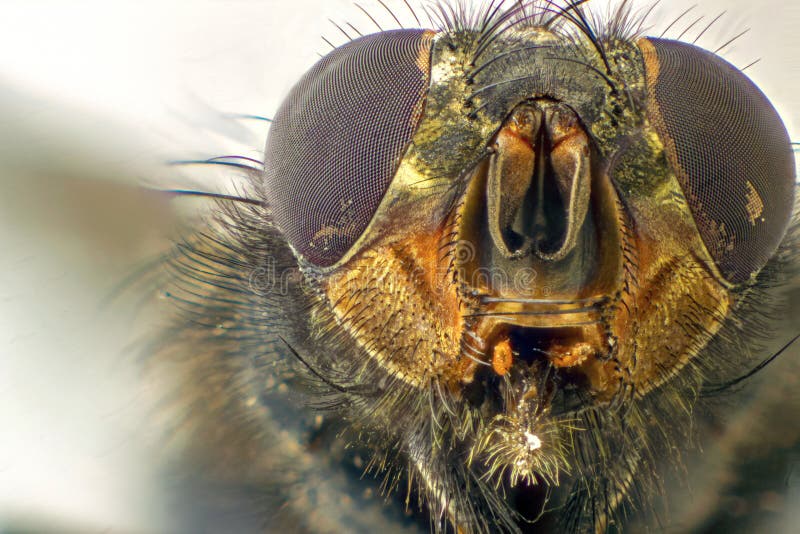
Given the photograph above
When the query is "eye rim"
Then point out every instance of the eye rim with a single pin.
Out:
(323, 77)
(777, 195)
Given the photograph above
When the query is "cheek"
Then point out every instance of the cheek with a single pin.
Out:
(401, 305)
(674, 297)
(668, 320)
(672, 304)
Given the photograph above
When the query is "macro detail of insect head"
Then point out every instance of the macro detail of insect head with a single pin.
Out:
(400, 266)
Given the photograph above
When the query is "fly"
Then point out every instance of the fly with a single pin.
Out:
(515, 249)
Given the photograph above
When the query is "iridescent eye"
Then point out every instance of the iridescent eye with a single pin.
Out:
(337, 140)
(729, 149)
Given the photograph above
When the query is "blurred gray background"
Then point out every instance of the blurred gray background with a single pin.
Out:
(94, 97)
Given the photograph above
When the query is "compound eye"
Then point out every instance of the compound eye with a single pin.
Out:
(729, 149)
(337, 140)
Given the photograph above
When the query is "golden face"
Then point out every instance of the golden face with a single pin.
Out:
(515, 250)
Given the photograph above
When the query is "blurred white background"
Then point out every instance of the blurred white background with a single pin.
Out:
(94, 97)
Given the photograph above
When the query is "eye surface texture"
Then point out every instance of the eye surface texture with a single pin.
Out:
(337, 140)
(729, 149)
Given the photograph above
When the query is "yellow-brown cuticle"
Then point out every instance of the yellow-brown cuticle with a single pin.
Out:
(502, 357)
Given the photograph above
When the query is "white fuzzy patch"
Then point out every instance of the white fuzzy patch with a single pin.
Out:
(533, 441)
